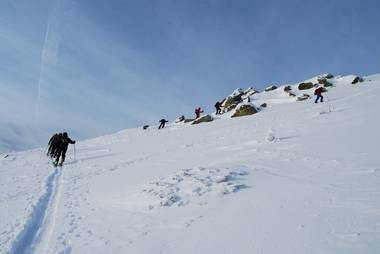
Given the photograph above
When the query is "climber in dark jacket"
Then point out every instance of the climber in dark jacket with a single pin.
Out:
(162, 123)
(218, 106)
(62, 148)
(54, 145)
(51, 144)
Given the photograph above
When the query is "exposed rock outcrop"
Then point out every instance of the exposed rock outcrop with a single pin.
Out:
(244, 110)
(203, 119)
(188, 120)
(357, 79)
(180, 119)
(270, 88)
(323, 81)
(303, 97)
(249, 92)
(305, 86)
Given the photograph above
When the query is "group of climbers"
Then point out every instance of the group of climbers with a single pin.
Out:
(218, 106)
(58, 143)
(57, 147)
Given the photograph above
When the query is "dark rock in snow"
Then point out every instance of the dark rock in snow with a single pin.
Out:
(203, 119)
(270, 88)
(188, 120)
(303, 97)
(180, 119)
(250, 91)
(357, 79)
(322, 80)
(264, 105)
(230, 107)
(245, 110)
(287, 88)
(231, 102)
(305, 86)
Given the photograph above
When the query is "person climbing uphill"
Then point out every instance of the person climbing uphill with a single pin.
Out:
(162, 123)
(218, 106)
(62, 148)
(51, 144)
(54, 145)
(198, 112)
(318, 92)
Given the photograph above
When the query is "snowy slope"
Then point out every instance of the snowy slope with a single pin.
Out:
(219, 187)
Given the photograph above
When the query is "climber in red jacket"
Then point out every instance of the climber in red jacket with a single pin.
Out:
(198, 112)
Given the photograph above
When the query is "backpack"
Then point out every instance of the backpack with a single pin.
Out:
(318, 91)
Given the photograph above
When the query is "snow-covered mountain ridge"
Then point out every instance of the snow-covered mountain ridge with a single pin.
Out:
(296, 177)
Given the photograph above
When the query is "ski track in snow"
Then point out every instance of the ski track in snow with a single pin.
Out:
(30, 237)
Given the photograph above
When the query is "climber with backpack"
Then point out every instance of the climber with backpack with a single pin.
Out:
(51, 145)
(198, 112)
(54, 142)
(62, 148)
(218, 106)
(162, 123)
(318, 92)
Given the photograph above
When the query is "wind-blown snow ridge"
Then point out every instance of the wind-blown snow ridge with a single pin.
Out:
(28, 239)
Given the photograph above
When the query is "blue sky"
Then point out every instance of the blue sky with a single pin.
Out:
(94, 66)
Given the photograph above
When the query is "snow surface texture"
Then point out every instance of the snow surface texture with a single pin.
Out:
(178, 189)
(297, 177)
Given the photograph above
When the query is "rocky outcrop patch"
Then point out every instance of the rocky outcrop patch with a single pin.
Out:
(305, 86)
(323, 81)
(270, 88)
(357, 79)
(180, 119)
(203, 119)
(303, 97)
(188, 120)
(244, 110)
